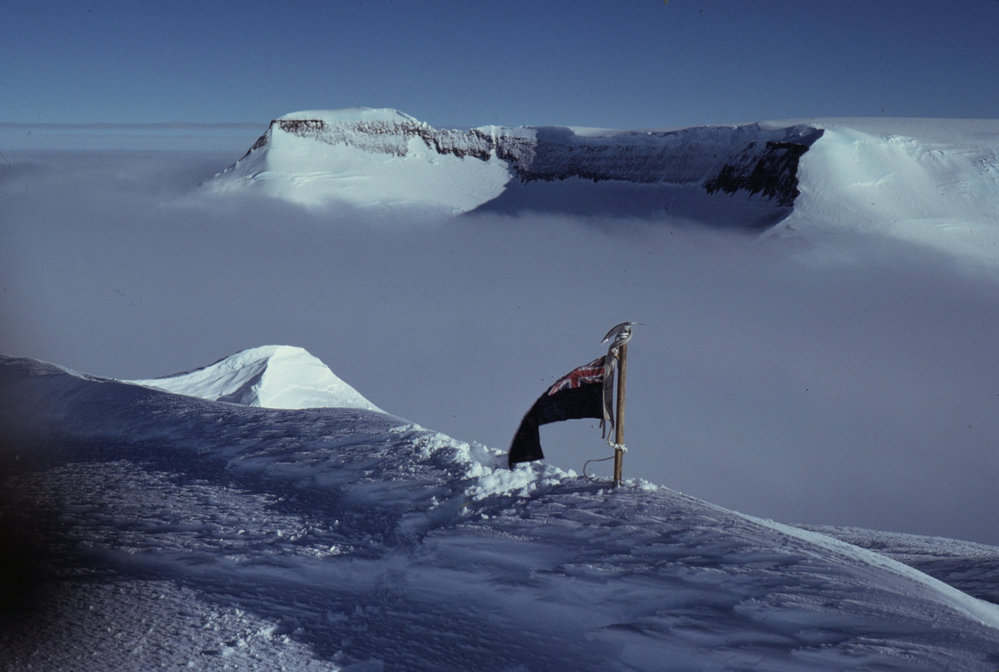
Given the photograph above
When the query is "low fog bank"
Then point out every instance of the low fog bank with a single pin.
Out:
(852, 383)
(231, 138)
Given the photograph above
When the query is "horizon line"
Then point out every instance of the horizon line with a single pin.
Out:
(107, 125)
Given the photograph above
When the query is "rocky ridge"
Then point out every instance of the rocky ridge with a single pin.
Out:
(753, 158)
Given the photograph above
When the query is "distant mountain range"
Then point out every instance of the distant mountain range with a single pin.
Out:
(933, 182)
(384, 157)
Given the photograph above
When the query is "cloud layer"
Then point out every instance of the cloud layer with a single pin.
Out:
(850, 384)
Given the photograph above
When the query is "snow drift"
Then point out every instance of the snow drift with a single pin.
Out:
(150, 529)
(271, 376)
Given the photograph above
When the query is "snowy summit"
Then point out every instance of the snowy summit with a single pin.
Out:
(145, 529)
(363, 157)
(271, 376)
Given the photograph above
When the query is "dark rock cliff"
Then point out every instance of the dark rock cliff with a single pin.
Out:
(750, 158)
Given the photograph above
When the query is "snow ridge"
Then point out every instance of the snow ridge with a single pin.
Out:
(270, 376)
(330, 146)
(335, 538)
(933, 183)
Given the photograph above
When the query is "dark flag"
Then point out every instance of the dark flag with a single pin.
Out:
(578, 394)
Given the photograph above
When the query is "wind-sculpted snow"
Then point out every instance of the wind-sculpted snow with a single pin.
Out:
(338, 148)
(946, 559)
(272, 376)
(151, 529)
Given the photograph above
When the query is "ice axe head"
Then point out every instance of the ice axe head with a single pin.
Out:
(619, 334)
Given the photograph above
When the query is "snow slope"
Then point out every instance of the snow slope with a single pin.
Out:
(153, 530)
(971, 567)
(363, 158)
(930, 182)
(272, 376)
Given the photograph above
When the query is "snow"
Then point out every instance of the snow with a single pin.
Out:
(353, 114)
(892, 346)
(942, 558)
(363, 158)
(934, 183)
(938, 187)
(145, 529)
(271, 376)
(259, 513)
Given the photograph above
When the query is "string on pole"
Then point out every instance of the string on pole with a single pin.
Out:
(622, 372)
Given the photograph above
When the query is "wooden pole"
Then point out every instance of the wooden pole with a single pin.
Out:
(622, 372)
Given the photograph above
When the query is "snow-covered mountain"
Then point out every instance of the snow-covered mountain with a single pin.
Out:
(149, 530)
(368, 157)
(271, 376)
(934, 182)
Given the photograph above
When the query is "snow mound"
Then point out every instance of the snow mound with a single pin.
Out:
(168, 531)
(271, 376)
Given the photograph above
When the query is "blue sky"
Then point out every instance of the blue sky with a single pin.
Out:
(634, 63)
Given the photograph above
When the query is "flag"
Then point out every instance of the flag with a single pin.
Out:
(578, 394)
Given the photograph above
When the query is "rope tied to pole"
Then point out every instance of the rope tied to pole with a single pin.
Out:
(595, 459)
(618, 338)
(616, 446)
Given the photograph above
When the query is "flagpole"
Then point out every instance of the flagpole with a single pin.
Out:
(622, 371)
